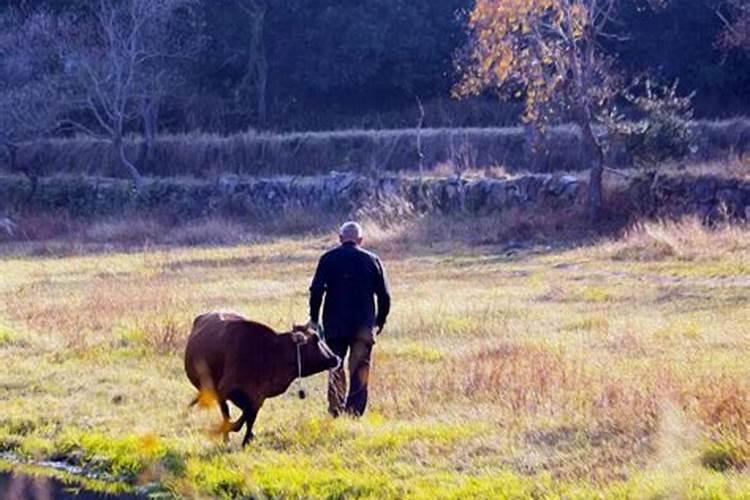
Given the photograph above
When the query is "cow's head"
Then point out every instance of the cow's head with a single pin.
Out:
(316, 355)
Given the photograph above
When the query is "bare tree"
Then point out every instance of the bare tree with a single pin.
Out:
(29, 107)
(735, 14)
(117, 66)
(547, 52)
(255, 80)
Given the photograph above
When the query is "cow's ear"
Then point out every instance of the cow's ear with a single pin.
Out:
(299, 338)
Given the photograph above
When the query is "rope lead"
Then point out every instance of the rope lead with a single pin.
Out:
(301, 392)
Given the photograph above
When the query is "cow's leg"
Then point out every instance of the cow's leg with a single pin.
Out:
(224, 393)
(226, 424)
(224, 409)
(237, 426)
(250, 410)
(250, 414)
(241, 401)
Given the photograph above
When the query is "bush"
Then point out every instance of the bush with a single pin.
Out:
(661, 131)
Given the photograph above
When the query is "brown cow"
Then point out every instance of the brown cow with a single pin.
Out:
(246, 362)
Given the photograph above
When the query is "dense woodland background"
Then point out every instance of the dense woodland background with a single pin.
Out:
(331, 64)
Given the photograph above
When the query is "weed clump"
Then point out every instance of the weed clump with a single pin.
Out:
(725, 454)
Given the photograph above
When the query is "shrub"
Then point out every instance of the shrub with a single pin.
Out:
(662, 130)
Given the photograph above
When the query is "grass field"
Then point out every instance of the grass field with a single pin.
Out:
(619, 369)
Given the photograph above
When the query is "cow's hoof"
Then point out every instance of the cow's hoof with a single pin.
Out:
(247, 440)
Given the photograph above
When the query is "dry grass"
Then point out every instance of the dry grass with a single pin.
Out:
(617, 370)
(687, 239)
(202, 155)
(733, 167)
(514, 229)
(55, 234)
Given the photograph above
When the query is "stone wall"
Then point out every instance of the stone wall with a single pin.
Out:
(349, 193)
(708, 197)
(236, 196)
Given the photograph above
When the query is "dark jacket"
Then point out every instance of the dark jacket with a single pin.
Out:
(350, 278)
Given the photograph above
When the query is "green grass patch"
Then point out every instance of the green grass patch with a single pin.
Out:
(477, 356)
(124, 458)
(10, 338)
(412, 351)
(726, 454)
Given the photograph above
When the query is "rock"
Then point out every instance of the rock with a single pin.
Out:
(496, 197)
(475, 195)
(563, 186)
(572, 189)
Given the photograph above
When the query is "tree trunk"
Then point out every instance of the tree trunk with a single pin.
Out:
(582, 63)
(256, 76)
(150, 117)
(595, 157)
(537, 148)
(118, 146)
(27, 171)
(258, 64)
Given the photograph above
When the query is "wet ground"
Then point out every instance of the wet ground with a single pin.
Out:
(16, 486)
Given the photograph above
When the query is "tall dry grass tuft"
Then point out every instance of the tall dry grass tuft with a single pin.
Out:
(53, 233)
(210, 231)
(126, 230)
(722, 404)
(686, 239)
(142, 310)
(524, 381)
(523, 377)
(516, 227)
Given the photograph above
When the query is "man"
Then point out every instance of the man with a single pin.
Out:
(350, 277)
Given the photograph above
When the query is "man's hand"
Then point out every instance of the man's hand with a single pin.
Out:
(312, 325)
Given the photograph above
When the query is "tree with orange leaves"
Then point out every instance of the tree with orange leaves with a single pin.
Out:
(546, 52)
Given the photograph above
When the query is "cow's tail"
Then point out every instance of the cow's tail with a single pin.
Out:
(206, 396)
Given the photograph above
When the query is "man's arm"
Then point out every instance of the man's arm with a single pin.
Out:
(317, 289)
(383, 294)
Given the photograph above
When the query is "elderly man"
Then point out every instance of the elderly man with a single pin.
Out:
(350, 278)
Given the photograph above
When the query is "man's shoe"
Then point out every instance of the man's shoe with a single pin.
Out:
(353, 413)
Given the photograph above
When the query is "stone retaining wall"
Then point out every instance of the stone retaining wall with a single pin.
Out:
(348, 193)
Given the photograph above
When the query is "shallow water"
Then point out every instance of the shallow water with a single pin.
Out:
(17, 486)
